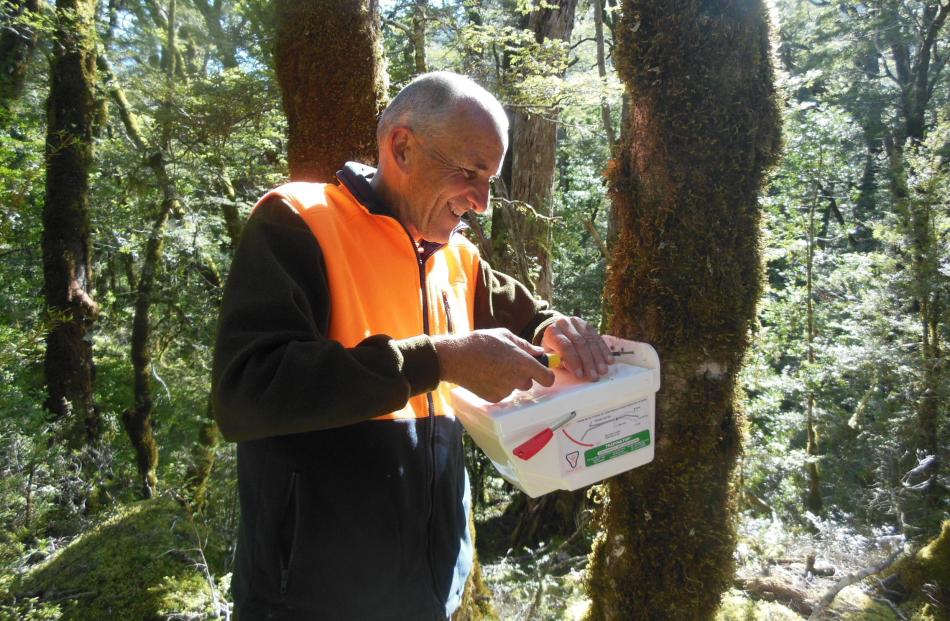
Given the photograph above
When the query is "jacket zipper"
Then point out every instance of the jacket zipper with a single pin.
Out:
(285, 563)
(422, 256)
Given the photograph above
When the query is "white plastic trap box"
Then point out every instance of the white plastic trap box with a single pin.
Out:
(599, 428)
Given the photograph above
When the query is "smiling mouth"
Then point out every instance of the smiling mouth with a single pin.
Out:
(455, 213)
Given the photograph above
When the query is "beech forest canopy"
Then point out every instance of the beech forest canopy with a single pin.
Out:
(136, 135)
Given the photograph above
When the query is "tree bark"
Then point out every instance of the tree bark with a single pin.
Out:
(533, 157)
(419, 10)
(138, 420)
(17, 42)
(67, 260)
(602, 72)
(685, 276)
(328, 61)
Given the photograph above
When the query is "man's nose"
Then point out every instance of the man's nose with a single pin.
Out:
(480, 195)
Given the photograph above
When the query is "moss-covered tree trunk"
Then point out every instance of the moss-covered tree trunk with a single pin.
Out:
(67, 257)
(923, 578)
(17, 41)
(812, 496)
(329, 66)
(137, 420)
(685, 277)
(527, 221)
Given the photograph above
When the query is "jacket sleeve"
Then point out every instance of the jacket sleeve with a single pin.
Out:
(274, 370)
(503, 302)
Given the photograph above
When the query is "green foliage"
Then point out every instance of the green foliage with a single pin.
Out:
(866, 377)
(580, 196)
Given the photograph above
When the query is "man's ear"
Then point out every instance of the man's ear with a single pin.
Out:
(399, 147)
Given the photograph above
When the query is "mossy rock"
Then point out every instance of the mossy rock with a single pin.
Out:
(925, 579)
(852, 604)
(141, 564)
(736, 606)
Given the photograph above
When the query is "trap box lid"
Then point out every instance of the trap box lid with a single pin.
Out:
(573, 433)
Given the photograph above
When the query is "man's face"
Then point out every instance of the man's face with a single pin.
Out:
(450, 174)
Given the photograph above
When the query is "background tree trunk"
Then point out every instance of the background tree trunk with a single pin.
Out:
(685, 277)
(418, 36)
(522, 243)
(328, 61)
(67, 265)
(224, 42)
(137, 420)
(533, 156)
(602, 73)
(16, 47)
(813, 500)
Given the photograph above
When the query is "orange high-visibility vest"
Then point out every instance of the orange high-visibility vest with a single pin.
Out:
(377, 282)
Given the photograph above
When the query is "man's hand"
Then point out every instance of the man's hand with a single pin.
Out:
(582, 350)
(491, 363)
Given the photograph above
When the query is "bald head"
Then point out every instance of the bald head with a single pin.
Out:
(435, 103)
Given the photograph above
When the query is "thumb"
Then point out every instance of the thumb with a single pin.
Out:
(532, 350)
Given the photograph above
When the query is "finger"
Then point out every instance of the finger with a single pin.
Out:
(582, 358)
(594, 343)
(557, 341)
(599, 350)
(605, 349)
(525, 367)
(541, 374)
(524, 345)
(530, 369)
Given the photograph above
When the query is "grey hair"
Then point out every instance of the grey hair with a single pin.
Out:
(428, 104)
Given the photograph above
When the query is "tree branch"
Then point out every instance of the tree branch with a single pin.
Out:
(850, 579)
(397, 25)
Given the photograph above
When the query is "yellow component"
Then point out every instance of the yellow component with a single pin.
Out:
(554, 361)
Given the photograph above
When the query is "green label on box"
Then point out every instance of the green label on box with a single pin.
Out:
(616, 448)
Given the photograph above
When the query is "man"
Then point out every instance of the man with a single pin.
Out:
(349, 311)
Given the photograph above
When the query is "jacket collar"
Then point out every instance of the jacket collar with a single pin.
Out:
(356, 178)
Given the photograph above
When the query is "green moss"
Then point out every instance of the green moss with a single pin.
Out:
(925, 579)
(737, 607)
(685, 277)
(853, 604)
(476, 599)
(138, 565)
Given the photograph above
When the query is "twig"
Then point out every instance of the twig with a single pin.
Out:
(597, 238)
(892, 606)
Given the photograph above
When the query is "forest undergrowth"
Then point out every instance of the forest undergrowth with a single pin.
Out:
(546, 581)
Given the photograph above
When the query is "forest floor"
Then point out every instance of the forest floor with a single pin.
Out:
(546, 582)
(147, 560)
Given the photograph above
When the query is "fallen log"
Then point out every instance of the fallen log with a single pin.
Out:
(772, 590)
